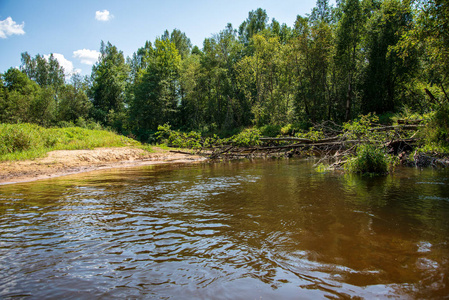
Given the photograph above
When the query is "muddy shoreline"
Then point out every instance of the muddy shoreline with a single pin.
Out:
(67, 162)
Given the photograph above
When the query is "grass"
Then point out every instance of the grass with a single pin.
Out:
(30, 141)
(369, 160)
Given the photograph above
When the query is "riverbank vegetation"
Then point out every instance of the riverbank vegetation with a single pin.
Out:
(29, 141)
(360, 146)
(311, 86)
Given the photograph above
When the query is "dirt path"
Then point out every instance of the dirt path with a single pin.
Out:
(65, 162)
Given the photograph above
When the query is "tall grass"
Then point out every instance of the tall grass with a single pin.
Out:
(29, 141)
(370, 160)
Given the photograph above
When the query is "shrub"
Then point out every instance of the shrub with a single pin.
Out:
(175, 138)
(360, 129)
(437, 129)
(369, 159)
(246, 138)
(29, 141)
(287, 130)
(312, 134)
(270, 130)
(17, 138)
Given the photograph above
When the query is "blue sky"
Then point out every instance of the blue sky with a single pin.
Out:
(73, 30)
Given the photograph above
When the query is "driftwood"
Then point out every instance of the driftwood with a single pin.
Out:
(181, 152)
(334, 148)
(322, 147)
(397, 127)
(410, 122)
(305, 141)
(425, 160)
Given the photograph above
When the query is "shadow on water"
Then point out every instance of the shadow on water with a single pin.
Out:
(240, 230)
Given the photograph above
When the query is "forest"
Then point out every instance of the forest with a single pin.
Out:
(384, 57)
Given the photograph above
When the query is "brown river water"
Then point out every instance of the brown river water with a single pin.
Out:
(273, 229)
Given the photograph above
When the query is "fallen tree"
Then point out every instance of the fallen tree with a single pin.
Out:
(335, 146)
(394, 139)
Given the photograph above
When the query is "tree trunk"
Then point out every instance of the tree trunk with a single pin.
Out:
(348, 101)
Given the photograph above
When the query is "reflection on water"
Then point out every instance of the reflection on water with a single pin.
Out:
(242, 230)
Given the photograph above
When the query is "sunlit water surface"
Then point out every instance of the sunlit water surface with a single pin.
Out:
(241, 230)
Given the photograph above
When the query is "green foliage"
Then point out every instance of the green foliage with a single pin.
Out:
(369, 159)
(248, 137)
(18, 96)
(155, 91)
(387, 75)
(270, 130)
(81, 122)
(386, 118)
(408, 115)
(436, 132)
(23, 100)
(73, 102)
(287, 130)
(180, 40)
(28, 141)
(256, 22)
(360, 129)
(334, 64)
(178, 139)
(193, 140)
(311, 134)
(108, 78)
(45, 71)
(19, 138)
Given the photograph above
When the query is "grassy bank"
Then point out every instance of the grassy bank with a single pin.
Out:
(29, 141)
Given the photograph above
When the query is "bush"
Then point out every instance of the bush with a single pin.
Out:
(193, 140)
(437, 129)
(17, 138)
(175, 138)
(28, 141)
(287, 130)
(270, 130)
(360, 129)
(369, 159)
(246, 138)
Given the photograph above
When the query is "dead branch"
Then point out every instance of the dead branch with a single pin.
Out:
(395, 127)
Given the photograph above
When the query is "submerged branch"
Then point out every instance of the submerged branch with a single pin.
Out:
(333, 151)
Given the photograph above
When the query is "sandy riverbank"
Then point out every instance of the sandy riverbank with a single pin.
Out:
(65, 162)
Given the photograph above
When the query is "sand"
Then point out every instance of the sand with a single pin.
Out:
(66, 162)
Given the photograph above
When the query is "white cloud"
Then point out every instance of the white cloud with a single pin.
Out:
(103, 15)
(88, 57)
(10, 27)
(69, 70)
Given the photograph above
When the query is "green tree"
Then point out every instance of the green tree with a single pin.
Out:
(256, 22)
(140, 60)
(348, 56)
(181, 41)
(43, 107)
(18, 95)
(322, 12)
(73, 101)
(258, 78)
(156, 91)
(109, 77)
(387, 73)
(311, 57)
(46, 73)
(193, 106)
(430, 35)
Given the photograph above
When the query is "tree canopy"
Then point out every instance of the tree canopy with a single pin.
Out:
(340, 61)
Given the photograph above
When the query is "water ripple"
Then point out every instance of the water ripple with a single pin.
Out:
(215, 234)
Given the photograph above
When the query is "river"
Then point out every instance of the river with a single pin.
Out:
(273, 229)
